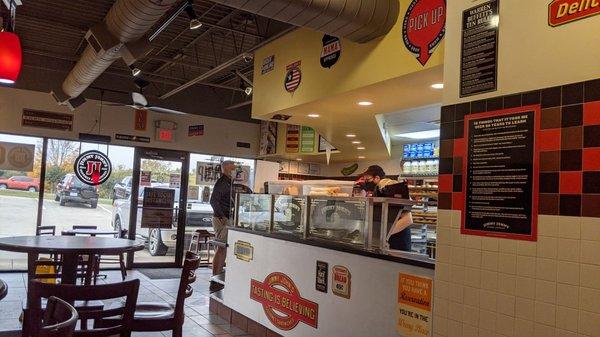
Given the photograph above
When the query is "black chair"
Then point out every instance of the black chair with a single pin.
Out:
(3, 289)
(76, 227)
(59, 319)
(120, 314)
(112, 259)
(45, 231)
(87, 263)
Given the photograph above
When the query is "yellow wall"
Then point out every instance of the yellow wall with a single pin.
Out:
(532, 55)
(359, 65)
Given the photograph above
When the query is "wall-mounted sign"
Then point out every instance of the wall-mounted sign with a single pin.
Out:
(331, 51)
(292, 138)
(196, 130)
(17, 157)
(140, 119)
(501, 189)
(268, 64)
(303, 168)
(243, 251)
(561, 12)
(324, 145)
(414, 306)
(282, 303)
(207, 172)
(314, 169)
(157, 210)
(307, 140)
(479, 49)
(132, 138)
(321, 276)
(92, 167)
(349, 169)
(341, 281)
(293, 77)
(175, 180)
(145, 178)
(47, 120)
(424, 27)
(284, 166)
(268, 138)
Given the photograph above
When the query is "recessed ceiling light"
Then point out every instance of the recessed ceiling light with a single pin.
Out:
(420, 134)
(356, 142)
(365, 103)
(361, 157)
(299, 159)
(438, 86)
(314, 115)
(350, 135)
(360, 148)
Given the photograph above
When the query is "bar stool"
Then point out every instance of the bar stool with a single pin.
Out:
(200, 239)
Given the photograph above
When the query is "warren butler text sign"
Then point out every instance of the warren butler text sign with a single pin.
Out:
(499, 174)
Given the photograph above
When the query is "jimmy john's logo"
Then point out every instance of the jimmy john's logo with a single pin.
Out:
(424, 27)
(561, 12)
(92, 168)
(282, 302)
(331, 51)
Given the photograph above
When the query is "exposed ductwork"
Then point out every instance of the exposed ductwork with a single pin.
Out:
(126, 22)
(357, 20)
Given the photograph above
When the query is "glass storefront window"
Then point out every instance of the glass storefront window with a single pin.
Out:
(20, 167)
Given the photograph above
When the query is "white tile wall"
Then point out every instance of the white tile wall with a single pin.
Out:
(510, 288)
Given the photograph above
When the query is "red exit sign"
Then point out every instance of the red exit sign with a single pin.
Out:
(165, 135)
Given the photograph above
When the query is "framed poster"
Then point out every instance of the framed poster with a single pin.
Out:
(303, 168)
(501, 189)
(292, 139)
(207, 172)
(284, 166)
(479, 49)
(268, 138)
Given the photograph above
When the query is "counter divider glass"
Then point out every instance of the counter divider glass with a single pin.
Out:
(357, 221)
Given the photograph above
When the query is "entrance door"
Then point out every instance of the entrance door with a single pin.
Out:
(159, 187)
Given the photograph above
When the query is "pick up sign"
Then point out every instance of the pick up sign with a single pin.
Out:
(561, 12)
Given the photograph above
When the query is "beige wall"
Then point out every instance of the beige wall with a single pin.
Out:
(532, 55)
(220, 135)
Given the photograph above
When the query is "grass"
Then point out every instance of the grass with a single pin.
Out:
(47, 196)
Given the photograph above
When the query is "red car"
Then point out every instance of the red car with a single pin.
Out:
(20, 183)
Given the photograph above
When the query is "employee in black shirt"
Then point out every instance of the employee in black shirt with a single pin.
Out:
(220, 200)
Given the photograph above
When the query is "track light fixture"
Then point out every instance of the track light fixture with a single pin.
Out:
(194, 22)
(135, 71)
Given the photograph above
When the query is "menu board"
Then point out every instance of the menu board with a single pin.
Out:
(500, 183)
(479, 49)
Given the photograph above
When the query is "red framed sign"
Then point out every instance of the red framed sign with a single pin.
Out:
(500, 173)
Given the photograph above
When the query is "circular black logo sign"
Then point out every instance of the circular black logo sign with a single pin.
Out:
(92, 167)
(331, 51)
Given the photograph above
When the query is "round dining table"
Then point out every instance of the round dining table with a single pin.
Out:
(92, 232)
(70, 247)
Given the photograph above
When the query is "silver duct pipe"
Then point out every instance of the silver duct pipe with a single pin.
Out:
(127, 21)
(357, 20)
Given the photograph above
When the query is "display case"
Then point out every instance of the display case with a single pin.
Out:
(359, 222)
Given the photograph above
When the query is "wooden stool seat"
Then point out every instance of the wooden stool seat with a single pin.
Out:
(200, 239)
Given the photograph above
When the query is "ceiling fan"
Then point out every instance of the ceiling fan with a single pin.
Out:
(140, 102)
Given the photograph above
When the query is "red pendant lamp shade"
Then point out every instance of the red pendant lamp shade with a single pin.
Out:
(10, 57)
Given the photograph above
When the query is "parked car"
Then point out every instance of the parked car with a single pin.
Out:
(71, 189)
(20, 183)
(199, 215)
(122, 189)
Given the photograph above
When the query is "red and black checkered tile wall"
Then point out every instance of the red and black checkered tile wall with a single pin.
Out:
(569, 139)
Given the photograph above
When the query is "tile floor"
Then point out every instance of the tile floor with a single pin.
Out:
(199, 321)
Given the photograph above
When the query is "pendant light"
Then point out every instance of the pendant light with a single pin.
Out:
(11, 57)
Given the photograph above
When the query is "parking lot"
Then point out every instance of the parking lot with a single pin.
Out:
(18, 217)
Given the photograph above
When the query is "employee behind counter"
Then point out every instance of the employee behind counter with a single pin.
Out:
(375, 184)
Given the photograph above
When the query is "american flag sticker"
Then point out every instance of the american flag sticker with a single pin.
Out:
(293, 77)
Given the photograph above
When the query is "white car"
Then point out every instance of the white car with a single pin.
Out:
(199, 216)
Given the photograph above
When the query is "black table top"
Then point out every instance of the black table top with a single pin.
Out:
(89, 232)
(69, 244)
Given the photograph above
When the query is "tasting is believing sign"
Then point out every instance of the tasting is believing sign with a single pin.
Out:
(501, 173)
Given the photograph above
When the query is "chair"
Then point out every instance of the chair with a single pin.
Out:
(200, 239)
(120, 313)
(164, 316)
(110, 259)
(3, 289)
(87, 263)
(45, 231)
(59, 319)
(76, 227)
